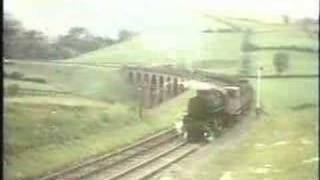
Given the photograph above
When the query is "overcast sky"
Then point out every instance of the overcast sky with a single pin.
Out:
(106, 17)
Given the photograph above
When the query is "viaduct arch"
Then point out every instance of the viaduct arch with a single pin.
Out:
(155, 86)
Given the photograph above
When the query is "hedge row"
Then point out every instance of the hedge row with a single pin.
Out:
(20, 76)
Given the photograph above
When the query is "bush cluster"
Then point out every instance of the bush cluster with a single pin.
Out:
(20, 76)
(13, 89)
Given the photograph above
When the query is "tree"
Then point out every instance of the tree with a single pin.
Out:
(12, 33)
(125, 35)
(35, 45)
(286, 19)
(281, 62)
(80, 40)
(78, 32)
(23, 44)
(20, 43)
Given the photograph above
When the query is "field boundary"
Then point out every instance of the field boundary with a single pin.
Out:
(283, 76)
(286, 48)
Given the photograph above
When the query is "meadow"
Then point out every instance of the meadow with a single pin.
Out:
(85, 81)
(220, 52)
(70, 133)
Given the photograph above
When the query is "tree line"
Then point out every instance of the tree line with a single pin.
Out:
(21, 43)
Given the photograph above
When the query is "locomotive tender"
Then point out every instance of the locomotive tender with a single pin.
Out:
(214, 109)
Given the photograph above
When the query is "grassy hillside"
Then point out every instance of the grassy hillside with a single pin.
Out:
(299, 62)
(192, 47)
(259, 25)
(288, 37)
(30, 85)
(101, 109)
(102, 84)
(179, 48)
(70, 133)
(178, 45)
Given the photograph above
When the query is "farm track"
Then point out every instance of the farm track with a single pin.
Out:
(130, 159)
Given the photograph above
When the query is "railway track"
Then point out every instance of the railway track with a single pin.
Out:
(139, 161)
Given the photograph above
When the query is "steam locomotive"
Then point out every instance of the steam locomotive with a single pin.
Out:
(212, 110)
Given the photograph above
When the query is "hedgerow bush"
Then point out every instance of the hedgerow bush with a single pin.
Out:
(12, 89)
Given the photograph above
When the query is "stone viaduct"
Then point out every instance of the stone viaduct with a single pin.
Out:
(154, 85)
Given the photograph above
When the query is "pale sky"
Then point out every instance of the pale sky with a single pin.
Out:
(106, 17)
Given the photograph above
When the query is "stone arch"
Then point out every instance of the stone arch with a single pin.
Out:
(161, 86)
(131, 77)
(175, 86)
(181, 85)
(153, 90)
(138, 77)
(168, 87)
(146, 77)
(168, 83)
(153, 79)
(161, 80)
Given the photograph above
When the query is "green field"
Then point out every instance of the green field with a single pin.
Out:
(288, 37)
(299, 62)
(64, 100)
(101, 109)
(259, 25)
(71, 133)
(181, 46)
(36, 126)
(191, 48)
(30, 85)
(102, 84)
(169, 48)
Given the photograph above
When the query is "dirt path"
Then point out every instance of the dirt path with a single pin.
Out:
(184, 169)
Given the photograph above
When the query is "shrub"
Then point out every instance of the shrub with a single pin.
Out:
(13, 89)
(35, 79)
(122, 114)
(16, 75)
(281, 62)
(207, 31)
